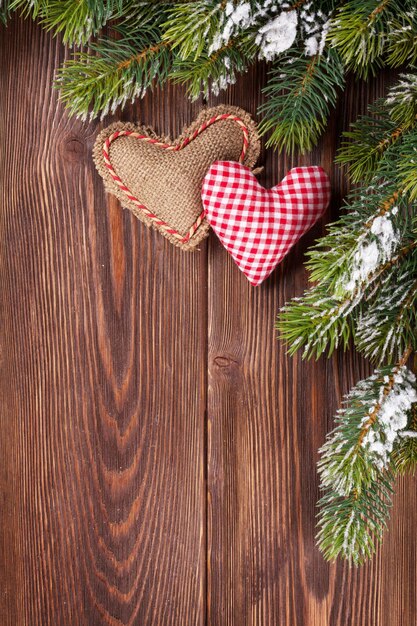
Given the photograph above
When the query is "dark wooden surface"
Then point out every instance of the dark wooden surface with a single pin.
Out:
(158, 447)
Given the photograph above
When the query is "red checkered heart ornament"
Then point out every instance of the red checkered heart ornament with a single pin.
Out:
(260, 226)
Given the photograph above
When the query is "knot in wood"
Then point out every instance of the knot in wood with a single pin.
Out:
(74, 150)
(224, 361)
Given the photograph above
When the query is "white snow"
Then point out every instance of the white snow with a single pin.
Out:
(387, 238)
(324, 32)
(347, 540)
(273, 37)
(237, 17)
(371, 252)
(314, 25)
(311, 46)
(238, 14)
(365, 261)
(222, 83)
(410, 434)
(404, 91)
(391, 416)
(277, 35)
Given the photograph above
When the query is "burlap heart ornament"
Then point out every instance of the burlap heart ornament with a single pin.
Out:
(160, 180)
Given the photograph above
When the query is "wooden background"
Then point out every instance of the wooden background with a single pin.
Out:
(158, 448)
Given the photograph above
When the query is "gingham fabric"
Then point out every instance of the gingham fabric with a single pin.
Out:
(259, 226)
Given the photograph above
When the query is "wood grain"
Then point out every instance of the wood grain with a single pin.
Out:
(104, 376)
(267, 416)
(158, 447)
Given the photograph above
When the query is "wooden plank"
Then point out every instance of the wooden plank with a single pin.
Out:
(105, 369)
(103, 379)
(267, 416)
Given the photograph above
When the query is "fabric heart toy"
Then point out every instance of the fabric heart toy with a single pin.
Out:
(159, 180)
(260, 226)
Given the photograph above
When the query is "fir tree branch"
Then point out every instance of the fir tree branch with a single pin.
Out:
(350, 526)
(404, 456)
(356, 468)
(300, 92)
(28, 8)
(350, 444)
(212, 73)
(386, 390)
(316, 322)
(112, 79)
(401, 101)
(364, 145)
(360, 30)
(331, 256)
(191, 26)
(388, 325)
(352, 264)
(373, 137)
(206, 44)
(407, 165)
(402, 43)
(77, 20)
(116, 71)
(5, 9)
(319, 322)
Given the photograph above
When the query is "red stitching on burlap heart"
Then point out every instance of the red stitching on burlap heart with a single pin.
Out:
(259, 226)
(159, 180)
(175, 148)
